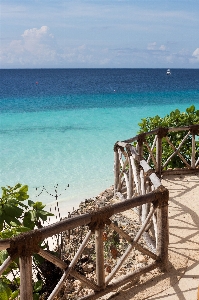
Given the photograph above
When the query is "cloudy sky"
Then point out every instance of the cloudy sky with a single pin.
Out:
(99, 33)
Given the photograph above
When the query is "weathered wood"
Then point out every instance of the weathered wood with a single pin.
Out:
(123, 164)
(145, 207)
(176, 151)
(151, 156)
(193, 158)
(65, 224)
(5, 264)
(153, 132)
(62, 265)
(120, 282)
(130, 247)
(4, 244)
(182, 128)
(80, 220)
(154, 179)
(158, 167)
(99, 249)
(116, 170)
(127, 182)
(130, 186)
(184, 171)
(162, 233)
(70, 267)
(135, 175)
(197, 162)
(131, 241)
(26, 278)
(155, 227)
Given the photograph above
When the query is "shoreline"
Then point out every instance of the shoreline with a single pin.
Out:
(60, 213)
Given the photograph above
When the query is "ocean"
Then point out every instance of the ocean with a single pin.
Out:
(58, 126)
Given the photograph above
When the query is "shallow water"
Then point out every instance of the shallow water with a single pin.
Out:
(59, 126)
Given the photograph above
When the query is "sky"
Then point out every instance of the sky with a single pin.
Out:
(99, 34)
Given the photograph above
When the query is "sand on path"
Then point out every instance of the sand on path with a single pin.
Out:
(182, 279)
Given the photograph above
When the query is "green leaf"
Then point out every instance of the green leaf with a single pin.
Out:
(36, 296)
(9, 220)
(38, 205)
(27, 221)
(13, 211)
(5, 291)
(3, 256)
(37, 286)
(33, 215)
(22, 193)
(31, 203)
(14, 295)
(190, 109)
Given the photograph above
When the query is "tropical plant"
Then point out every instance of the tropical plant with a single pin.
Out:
(17, 217)
(174, 119)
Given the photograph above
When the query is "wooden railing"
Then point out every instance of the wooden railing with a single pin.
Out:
(150, 146)
(150, 202)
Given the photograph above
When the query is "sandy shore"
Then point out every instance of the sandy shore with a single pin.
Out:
(182, 279)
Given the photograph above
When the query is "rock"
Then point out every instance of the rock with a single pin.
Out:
(88, 268)
(142, 258)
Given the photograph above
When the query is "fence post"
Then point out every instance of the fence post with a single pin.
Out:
(129, 191)
(162, 132)
(99, 248)
(193, 154)
(26, 278)
(163, 228)
(116, 168)
(158, 155)
(140, 141)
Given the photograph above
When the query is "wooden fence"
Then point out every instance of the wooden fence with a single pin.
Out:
(150, 146)
(135, 182)
(25, 245)
(155, 200)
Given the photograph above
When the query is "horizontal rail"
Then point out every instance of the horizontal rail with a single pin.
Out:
(86, 219)
(120, 282)
(155, 131)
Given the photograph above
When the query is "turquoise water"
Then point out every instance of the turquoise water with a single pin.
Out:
(67, 137)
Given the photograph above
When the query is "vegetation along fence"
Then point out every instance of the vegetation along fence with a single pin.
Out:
(135, 182)
(173, 150)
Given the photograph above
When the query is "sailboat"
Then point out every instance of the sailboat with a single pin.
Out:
(168, 72)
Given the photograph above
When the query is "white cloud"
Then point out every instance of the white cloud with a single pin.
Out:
(34, 47)
(162, 48)
(195, 54)
(151, 46)
(35, 33)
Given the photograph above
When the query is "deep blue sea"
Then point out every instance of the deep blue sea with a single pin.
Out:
(59, 126)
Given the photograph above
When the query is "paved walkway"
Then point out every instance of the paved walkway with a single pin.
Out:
(184, 235)
(182, 279)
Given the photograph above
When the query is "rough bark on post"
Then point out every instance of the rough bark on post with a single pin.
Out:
(99, 248)
(158, 155)
(26, 278)
(141, 139)
(129, 191)
(163, 229)
(193, 160)
(116, 169)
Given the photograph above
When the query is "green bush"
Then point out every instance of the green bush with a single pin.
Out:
(15, 218)
(174, 119)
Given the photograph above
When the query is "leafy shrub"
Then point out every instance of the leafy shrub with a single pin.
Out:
(15, 218)
(174, 119)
